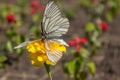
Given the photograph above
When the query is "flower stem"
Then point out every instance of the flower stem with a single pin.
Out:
(48, 70)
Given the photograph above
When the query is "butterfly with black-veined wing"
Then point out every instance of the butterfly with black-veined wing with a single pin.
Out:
(50, 48)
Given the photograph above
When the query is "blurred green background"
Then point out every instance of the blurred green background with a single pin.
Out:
(93, 36)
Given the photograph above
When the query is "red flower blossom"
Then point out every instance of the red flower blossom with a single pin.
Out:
(83, 41)
(34, 4)
(78, 47)
(77, 42)
(71, 43)
(103, 26)
(35, 7)
(11, 18)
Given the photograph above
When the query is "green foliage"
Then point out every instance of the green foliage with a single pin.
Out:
(92, 68)
(79, 66)
(97, 10)
(90, 27)
(71, 12)
(73, 67)
(113, 9)
(3, 59)
(9, 46)
(85, 3)
(21, 14)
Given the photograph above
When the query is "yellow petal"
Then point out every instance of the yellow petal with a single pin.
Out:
(40, 58)
(37, 52)
(36, 63)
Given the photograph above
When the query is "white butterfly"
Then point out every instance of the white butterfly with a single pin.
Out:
(53, 26)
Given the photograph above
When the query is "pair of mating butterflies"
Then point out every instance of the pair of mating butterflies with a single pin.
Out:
(53, 26)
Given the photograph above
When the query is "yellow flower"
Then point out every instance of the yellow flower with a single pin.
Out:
(37, 52)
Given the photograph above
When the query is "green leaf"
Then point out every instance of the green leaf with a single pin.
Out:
(84, 52)
(70, 67)
(99, 9)
(3, 58)
(71, 12)
(93, 39)
(85, 3)
(112, 3)
(9, 46)
(92, 68)
(95, 36)
(2, 65)
(20, 38)
(93, 50)
(89, 27)
(10, 33)
(109, 16)
(18, 24)
(35, 17)
(98, 44)
(35, 30)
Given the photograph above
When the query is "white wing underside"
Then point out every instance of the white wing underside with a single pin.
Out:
(25, 43)
(55, 56)
(54, 24)
(61, 41)
(22, 44)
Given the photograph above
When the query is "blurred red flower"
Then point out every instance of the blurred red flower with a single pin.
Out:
(71, 43)
(103, 26)
(77, 42)
(11, 18)
(34, 4)
(83, 41)
(35, 7)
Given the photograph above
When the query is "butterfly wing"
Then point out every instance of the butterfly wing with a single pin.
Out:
(52, 53)
(25, 43)
(22, 44)
(61, 41)
(54, 24)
